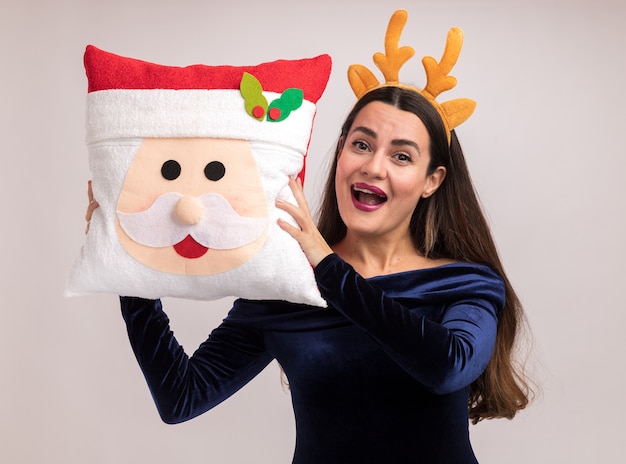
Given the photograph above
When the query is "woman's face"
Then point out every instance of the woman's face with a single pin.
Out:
(382, 171)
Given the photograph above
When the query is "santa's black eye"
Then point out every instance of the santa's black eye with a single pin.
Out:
(170, 170)
(214, 170)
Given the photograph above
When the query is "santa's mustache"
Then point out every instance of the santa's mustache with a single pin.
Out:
(220, 227)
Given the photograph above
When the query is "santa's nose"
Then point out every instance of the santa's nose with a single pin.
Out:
(189, 210)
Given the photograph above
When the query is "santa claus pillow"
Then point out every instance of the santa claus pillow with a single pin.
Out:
(187, 163)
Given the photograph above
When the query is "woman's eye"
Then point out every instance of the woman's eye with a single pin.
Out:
(403, 157)
(170, 170)
(360, 145)
(214, 170)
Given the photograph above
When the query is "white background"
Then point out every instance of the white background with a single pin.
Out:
(544, 146)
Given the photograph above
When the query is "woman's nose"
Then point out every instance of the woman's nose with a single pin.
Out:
(374, 166)
(189, 210)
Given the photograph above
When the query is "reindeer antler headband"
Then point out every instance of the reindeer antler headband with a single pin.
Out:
(452, 112)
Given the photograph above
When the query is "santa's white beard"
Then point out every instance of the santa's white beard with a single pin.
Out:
(220, 227)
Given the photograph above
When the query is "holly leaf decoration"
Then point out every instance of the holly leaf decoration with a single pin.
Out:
(289, 100)
(252, 93)
(256, 104)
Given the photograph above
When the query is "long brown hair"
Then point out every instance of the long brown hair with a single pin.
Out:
(449, 224)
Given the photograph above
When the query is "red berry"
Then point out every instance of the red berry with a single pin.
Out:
(258, 112)
(274, 114)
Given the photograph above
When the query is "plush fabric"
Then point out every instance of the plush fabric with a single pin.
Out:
(187, 163)
(381, 376)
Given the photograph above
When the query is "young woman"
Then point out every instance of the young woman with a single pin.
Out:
(421, 324)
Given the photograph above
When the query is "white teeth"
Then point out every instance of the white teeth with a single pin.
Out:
(368, 192)
(368, 197)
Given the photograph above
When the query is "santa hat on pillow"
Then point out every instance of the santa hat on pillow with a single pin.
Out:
(270, 102)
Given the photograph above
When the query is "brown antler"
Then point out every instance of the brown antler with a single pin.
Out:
(437, 78)
(395, 57)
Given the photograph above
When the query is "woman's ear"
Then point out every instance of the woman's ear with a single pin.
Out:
(433, 181)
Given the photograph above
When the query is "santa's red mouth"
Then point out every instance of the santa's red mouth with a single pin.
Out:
(189, 248)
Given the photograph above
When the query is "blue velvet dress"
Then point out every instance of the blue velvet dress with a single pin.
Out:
(381, 376)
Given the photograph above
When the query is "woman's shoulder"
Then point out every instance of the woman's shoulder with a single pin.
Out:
(431, 271)
(448, 281)
(443, 269)
(452, 279)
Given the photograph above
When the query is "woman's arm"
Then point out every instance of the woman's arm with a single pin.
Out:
(184, 387)
(445, 355)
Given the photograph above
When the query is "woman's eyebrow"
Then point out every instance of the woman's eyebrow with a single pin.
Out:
(396, 142)
(400, 142)
(365, 130)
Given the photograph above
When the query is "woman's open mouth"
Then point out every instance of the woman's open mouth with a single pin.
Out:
(367, 197)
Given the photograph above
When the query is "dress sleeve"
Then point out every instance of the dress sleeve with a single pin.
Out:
(184, 387)
(443, 355)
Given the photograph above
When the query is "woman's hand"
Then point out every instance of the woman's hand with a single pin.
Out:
(308, 236)
(93, 204)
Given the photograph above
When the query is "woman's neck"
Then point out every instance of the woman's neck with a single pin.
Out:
(374, 256)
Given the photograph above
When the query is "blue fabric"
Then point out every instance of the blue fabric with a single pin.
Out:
(381, 376)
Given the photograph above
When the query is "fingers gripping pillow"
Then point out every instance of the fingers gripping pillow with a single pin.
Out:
(187, 163)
